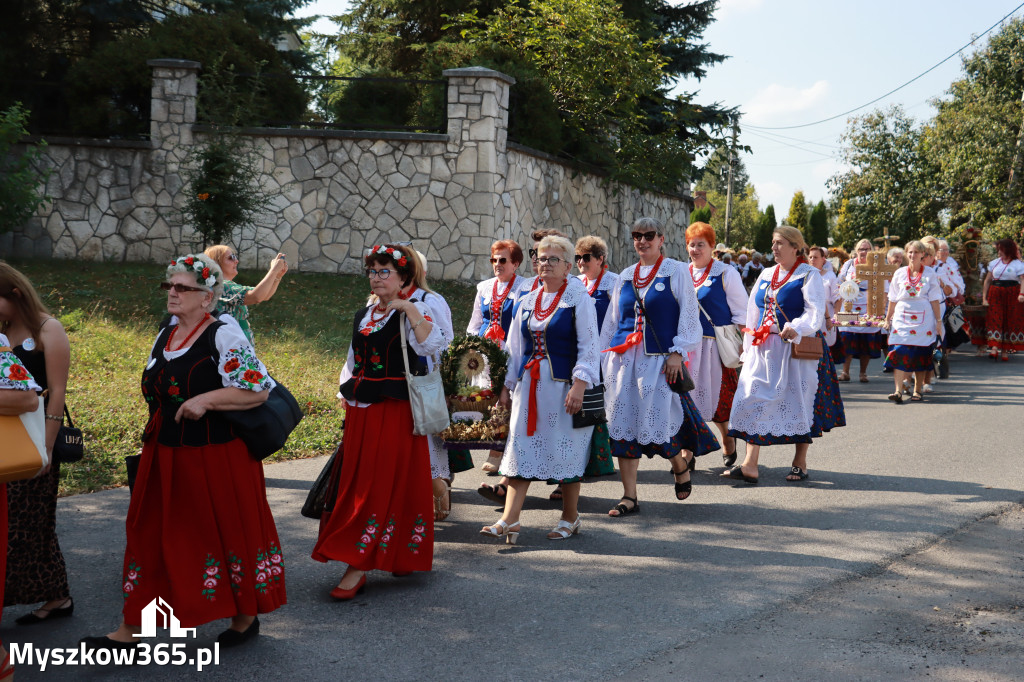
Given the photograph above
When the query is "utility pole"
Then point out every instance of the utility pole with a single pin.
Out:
(728, 194)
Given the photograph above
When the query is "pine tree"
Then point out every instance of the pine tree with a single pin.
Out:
(767, 225)
(817, 235)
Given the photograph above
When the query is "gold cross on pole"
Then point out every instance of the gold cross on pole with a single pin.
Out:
(876, 272)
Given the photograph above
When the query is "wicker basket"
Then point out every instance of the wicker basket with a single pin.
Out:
(456, 404)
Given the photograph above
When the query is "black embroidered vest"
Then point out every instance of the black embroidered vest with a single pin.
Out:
(166, 384)
(378, 372)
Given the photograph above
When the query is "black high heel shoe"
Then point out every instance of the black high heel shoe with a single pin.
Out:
(31, 618)
(230, 638)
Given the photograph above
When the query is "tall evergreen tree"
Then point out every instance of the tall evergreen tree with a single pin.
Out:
(817, 234)
(767, 224)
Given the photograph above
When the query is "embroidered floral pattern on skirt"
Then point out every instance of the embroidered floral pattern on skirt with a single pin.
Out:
(909, 358)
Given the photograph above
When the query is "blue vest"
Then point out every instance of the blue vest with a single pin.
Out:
(602, 299)
(506, 314)
(662, 313)
(712, 298)
(790, 298)
(557, 342)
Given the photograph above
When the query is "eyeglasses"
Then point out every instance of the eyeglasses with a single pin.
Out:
(550, 260)
(180, 288)
(584, 257)
(501, 260)
(649, 236)
(533, 254)
(232, 256)
(383, 273)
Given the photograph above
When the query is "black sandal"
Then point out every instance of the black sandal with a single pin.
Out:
(491, 492)
(621, 509)
(896, 398)
(729, 458)
(683, 489)
(801, 474)
(736, 473)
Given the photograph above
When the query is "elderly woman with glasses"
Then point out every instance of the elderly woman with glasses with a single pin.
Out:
(592, 262)
(652, 325)
(382, 517)
(553, 358)
(200, 534)
(861, 342)
(237, 298)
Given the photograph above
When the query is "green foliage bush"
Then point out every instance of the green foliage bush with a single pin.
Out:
(111, 89)
(20, 172)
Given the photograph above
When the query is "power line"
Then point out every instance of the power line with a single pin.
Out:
(786, 144)
(915, 78)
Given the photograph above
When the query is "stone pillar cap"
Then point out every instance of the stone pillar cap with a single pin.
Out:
(478, 72)
(174, 63)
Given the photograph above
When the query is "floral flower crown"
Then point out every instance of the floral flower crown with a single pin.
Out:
(390, 252)
(204, 275)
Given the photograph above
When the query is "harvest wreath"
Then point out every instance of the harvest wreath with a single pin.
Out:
(466, 358)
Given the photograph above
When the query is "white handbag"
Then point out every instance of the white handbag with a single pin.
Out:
(426, 396)
(730, 341)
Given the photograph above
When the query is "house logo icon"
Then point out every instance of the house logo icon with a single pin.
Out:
(159, 610)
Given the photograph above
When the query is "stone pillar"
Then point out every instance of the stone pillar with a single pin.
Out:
(477, 141)
(172, 115)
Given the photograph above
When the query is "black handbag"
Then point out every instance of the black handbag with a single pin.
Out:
(69, 446)
(592, 412)
(265, 428)
(682, 384)
(322, 491)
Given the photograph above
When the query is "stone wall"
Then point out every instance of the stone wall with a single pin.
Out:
(336, 193)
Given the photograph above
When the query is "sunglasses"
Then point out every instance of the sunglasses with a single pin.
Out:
(180, 288)
(501, 260)
(649, 236)
(233, 256)
(585, 257)
(383, 273)
(533, 254)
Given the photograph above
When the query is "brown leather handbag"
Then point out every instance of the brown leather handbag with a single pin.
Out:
(808, 347)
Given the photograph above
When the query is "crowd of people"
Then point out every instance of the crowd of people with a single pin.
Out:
(668, 346)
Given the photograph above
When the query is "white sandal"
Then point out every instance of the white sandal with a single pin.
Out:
(564, 530)
(500, 529)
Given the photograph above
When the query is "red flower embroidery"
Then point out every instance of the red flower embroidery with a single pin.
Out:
(173, 390)
(252, 376)
(231, 365)
(375, 358)
(18, 373)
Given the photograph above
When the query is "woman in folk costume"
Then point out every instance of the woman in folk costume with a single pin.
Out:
(817, 256)
(553, 358)
(199, 531)
(948, 288)
(493, 306)
(644, 356)
(1003, 293)
(860, 342)
(18, 394)
(592, 262)
(914, 321)
(949, 271)
(382, 517)
(782, 399)
(722, 300)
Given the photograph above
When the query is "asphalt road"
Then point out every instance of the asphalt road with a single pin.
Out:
(899, 558)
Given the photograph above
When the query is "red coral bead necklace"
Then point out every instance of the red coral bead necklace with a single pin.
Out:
(641, 282)
(543, 313)
(187, 338)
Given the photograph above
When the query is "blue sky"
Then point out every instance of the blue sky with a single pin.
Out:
(799, 61)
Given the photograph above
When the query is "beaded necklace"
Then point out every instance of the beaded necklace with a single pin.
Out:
(641, 282)
(498, 301)
(187, 338)
(543, 313)
(592, 289)
(914, 285)
(697, 282)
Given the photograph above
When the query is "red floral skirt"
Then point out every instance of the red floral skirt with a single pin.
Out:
(201, 535)
(1004, 325)
(730, 378)
(383, 515)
